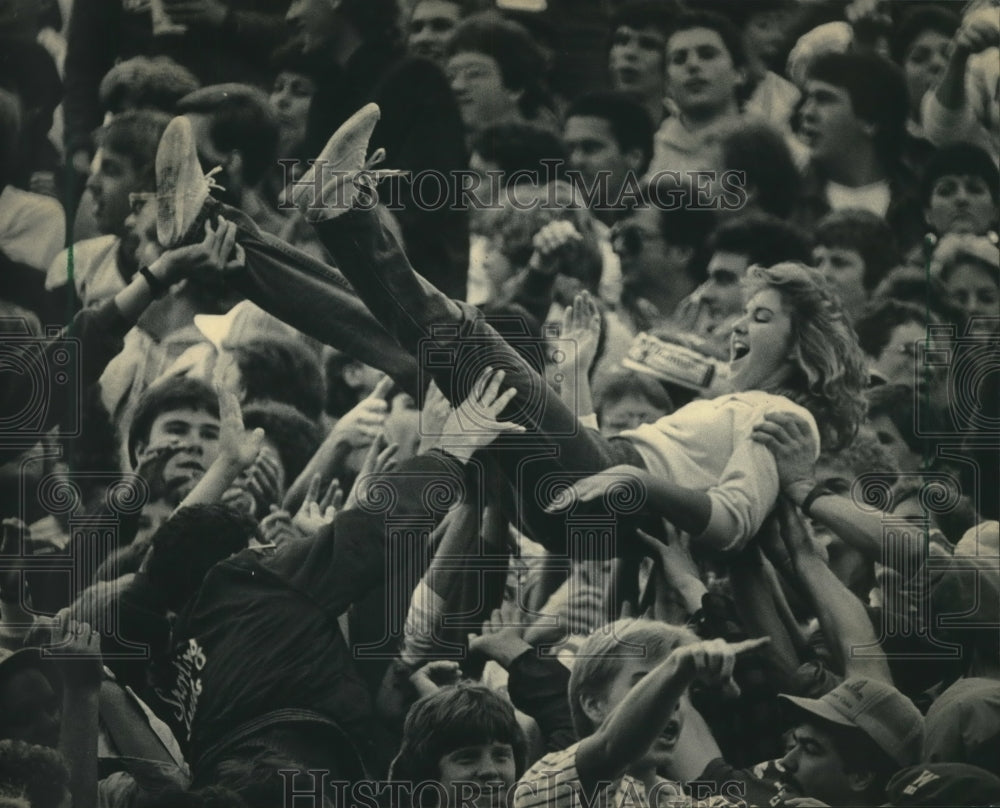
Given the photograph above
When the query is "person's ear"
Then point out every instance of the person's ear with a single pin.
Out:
(594, 708)
(869, 128)
(234, 164)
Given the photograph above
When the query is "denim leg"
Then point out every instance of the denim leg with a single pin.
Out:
(453, 343)
(314, 298)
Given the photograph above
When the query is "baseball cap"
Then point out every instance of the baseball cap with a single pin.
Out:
(878, 709)
(943, 784)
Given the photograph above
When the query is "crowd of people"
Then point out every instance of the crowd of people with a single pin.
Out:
(498, 403)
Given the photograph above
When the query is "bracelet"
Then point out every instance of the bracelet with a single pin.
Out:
(156, 286)
(819, 490)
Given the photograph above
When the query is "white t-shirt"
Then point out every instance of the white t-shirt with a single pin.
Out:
(874, 198)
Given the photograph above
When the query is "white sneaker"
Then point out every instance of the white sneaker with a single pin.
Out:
(181, 186)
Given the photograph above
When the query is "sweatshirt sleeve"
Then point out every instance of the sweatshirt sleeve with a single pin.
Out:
(748, 487)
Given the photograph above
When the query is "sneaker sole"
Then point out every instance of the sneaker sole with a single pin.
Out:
(349, 141)
(177, 141)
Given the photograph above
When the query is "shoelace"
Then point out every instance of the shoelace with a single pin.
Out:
(369, 176)
(211, 182)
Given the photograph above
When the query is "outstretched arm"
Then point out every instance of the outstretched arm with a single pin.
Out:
(644, 713)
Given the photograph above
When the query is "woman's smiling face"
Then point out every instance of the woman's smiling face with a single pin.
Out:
(760, 344)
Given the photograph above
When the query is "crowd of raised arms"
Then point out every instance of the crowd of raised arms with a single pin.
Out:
(499, 403)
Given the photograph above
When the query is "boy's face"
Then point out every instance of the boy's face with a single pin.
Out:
(197, 431)
(844, 269)
(700, 71)
(830, 128)
(480, 775)
(635, 61)
(631, 672)
(112, 178)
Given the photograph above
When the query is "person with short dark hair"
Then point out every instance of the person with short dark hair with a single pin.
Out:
(513, 152)
(661, 246)
(855, 250)
(736, 245)
(767, 171)
(919, 44)
(888, 332)
(960, 191)
(219, 41)
(431, 22)
(626, 399)
(282, 370)
(496, 71)
(637, 55)
(461, 737)
(609, 141)
(146, 82)
(852, 121)
(705, 71)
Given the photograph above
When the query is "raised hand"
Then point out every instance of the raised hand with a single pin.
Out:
(501, 640)
(473, 424)
(433, 417)
(238, 447)
(555, 247)
(582, 325)
(315, 511)
(712, 662)
(364, 423)
(217, 251)
(435, 675)
(597, 485)
(277, 527)
(978, 31)
(793, 445)
(379, 459)
(78, 648)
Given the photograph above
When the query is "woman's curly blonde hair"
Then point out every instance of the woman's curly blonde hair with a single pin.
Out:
(830, 373)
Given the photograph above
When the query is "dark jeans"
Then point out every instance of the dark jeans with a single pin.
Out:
(453, 343)
(314, 298)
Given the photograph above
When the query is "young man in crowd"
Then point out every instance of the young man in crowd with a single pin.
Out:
(431, 23)
(848, 744)
(735, 246)
(609, 141)
(852, 121)
(123, 165)
(705, 70)
(636, 60)
(854, 249)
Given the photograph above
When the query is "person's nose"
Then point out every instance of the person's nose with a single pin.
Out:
(790, 762)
